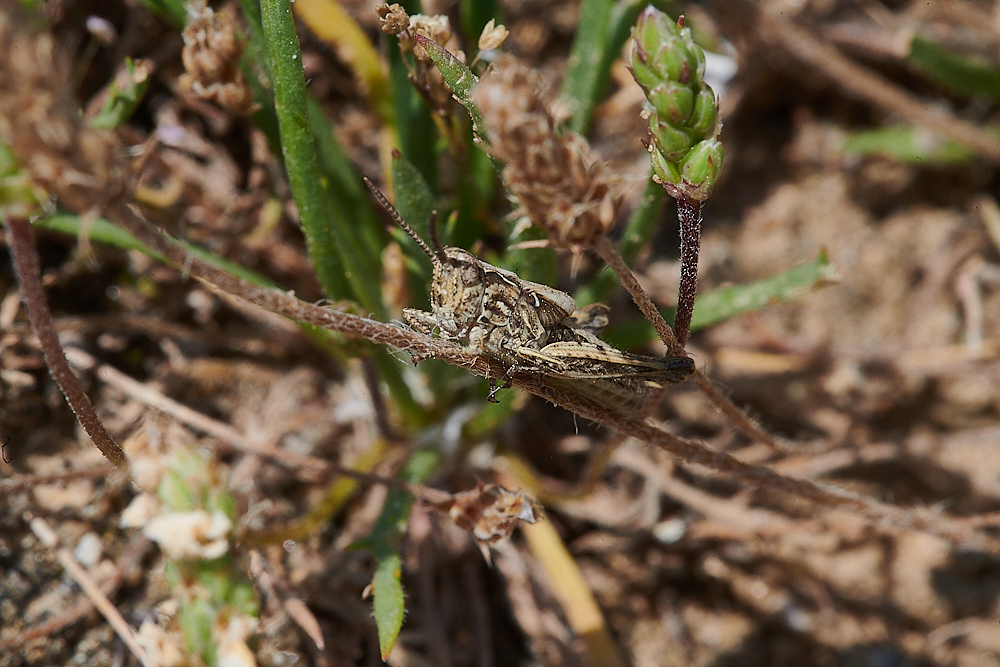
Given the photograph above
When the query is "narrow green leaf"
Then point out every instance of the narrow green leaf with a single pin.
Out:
(102, 231)
(173, 12)
(414, 199)
(299, 151)
(388, 602)
(196, 619)
(414, 124)
(344, 185)
(731, 301)
(960, 74)
(722, 304)
(585, 81)
(387, 588)
(459, 78)
(415, 203)
(601, 32)
(909, 144)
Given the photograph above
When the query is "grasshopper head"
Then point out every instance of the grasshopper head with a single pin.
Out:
(457, 291)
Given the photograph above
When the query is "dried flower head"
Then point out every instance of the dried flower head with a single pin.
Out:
(424, 74)
(492, 37)
(41, 122)
(394, 18)
(490, 512)
(555, 180)
(211, 56)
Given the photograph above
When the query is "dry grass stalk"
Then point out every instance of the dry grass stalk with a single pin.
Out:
(881, 515)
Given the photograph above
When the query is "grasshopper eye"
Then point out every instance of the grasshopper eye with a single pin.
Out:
(470, 274)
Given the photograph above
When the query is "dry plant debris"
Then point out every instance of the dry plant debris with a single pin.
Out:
(884, 385)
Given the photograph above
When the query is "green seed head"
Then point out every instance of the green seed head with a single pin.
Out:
(672, 101)
(683, 122)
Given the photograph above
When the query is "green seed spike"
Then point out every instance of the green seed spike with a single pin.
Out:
(683, 112)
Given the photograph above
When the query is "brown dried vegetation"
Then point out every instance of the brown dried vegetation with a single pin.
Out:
(866, 539)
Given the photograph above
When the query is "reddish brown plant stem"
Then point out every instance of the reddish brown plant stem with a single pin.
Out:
(29, 276)
(689, 215)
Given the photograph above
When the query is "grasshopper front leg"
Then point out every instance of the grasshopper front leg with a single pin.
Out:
(420, 321)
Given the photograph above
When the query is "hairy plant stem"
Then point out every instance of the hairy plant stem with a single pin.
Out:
(732, 411)
(29, 276)
(607, 252)
(689, 216)
(421, 346)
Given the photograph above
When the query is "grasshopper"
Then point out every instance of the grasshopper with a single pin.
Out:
(488, 309)
(527, 326)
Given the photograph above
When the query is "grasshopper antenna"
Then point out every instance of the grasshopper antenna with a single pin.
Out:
(432, 228)
(436, 255)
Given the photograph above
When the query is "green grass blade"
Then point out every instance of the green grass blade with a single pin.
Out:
(584, 81)
(906, 143)
(344, 184)
(415, 203)
(103, 231)
(957, 73)
(414, 124)
(603, 28)
(731, 301)
(459, 78)
(388, 598)
(173, 12)
(299, 151)
(722, 304)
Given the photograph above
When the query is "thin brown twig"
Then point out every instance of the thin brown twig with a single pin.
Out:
(97, 597)
(30, 278)
(746, 426)
(606, 250)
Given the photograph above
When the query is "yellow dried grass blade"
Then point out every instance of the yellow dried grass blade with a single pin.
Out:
(330, 22)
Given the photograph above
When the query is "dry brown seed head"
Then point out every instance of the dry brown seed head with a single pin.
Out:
(559, 186)
(394, 18)
(211, 55)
